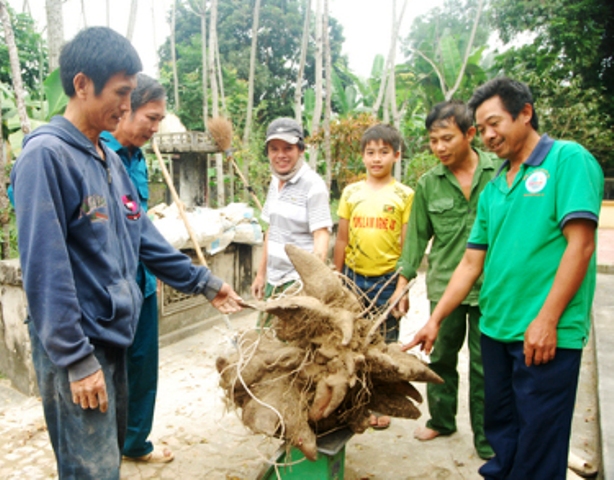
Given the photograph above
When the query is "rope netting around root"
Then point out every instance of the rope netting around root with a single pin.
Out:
(322, 365)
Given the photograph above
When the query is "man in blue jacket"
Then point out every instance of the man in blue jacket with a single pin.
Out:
(147, 109)
(82, 234)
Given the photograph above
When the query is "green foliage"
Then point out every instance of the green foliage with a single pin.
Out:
(9, 109)
(259, 174)
(12, 233)
(346, 133)
(418, 158)
(571, 37)
(56, 99)
(573, 112)
(31, 50)
(419, 164)
(39, 111)
(442, 35)
(277, 59)
(568, 65)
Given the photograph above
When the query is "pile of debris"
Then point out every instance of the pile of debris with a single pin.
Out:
(214, 228)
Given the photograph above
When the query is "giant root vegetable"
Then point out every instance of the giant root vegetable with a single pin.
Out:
(318, 368)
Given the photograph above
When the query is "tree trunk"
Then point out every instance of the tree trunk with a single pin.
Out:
(55, 31)
(252, 72)
(449, 93)
(153, 34)
(329, 89)
(250, 93)
(220, 78)
(317, 111)
(15, 67)
(83, 14)
(461, 73)
(386, 103)
(298, 92)
(390, 99)
(211, 62)
(5, 246)
(222, 98)
(203, 36)
(174, 57)
(132, 19)
(391, 54)
(219, 165)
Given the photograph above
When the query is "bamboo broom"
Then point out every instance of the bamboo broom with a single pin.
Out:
(220, 129)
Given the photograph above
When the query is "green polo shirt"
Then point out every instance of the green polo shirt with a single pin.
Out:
(442, 213)
(521, 226)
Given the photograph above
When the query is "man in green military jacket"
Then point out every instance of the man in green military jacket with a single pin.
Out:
(444, 208)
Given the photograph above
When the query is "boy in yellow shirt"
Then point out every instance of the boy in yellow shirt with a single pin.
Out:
(373, 215)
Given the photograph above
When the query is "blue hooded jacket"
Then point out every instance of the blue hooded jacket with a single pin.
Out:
(81, 234)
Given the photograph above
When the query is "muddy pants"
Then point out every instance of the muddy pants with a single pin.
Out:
(87, 443)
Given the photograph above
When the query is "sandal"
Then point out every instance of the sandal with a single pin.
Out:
(379, 422)
(157, 455)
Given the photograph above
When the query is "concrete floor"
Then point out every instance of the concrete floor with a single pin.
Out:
(211, 443)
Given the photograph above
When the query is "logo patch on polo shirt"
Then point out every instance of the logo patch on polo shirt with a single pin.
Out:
(537, 181)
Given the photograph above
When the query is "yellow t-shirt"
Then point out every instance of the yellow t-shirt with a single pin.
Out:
(376, 219)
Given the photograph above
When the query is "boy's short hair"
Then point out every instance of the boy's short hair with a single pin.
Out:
(514, 96)
(147, 90)
(384, 132)
(452, 109)
(99, 53)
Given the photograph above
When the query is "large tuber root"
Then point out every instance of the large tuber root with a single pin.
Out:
(316, 370)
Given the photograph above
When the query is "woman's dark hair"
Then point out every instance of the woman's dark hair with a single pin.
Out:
(147, 90)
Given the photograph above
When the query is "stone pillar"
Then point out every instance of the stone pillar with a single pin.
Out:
(192, 179)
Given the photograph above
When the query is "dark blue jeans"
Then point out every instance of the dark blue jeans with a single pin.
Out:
(527, 411)
(142, 361)
(87, 443)
(371, 287)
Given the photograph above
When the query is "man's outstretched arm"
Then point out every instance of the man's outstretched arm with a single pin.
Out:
(467, 272)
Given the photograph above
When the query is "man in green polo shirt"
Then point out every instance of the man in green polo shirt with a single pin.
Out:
(534, 239)
(444, 209)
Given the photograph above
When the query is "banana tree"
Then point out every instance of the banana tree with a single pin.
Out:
(39, 112)
(446, 59)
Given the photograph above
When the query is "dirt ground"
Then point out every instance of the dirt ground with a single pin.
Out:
(210, 442)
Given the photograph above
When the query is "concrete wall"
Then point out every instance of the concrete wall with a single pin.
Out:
(15, 352)
(606, 217)
(178, 319)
